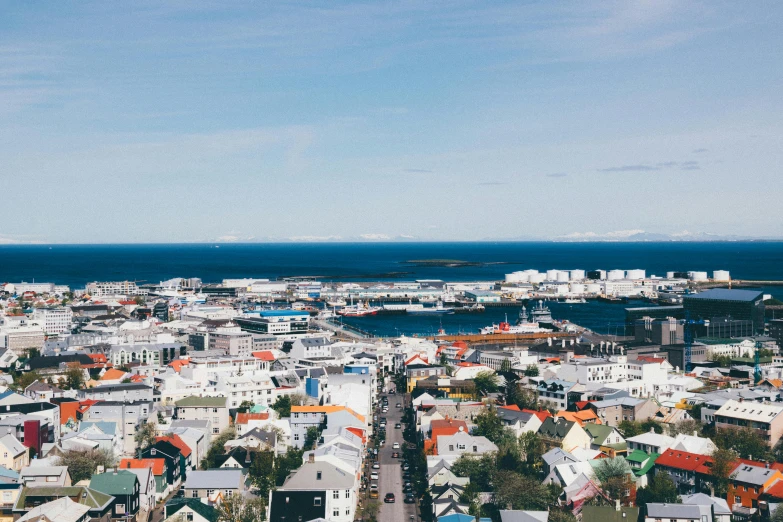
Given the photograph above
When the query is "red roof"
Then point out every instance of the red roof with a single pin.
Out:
(126, 303)
(776, 490)
(417, 356)
(459, 344)
(512, 407)
(541, 414)
(649, 358)
(265, 355)
(178, 364)
(242, 418)
(158, 465)
(98, 357)
(581, 405)
(684, 460)
(358, 432)
(177, 442)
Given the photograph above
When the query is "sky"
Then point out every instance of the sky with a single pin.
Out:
(185, 121)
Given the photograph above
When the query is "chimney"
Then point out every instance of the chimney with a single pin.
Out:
(617, 505)
(311, 458)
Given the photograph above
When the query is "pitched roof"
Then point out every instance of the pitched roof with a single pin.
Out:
(158, 465)
(264, 355)
(243, 418)
(60, 510)
(87, 496)
(214, 479)
(13, 445)
(177, 442)
(112, 374)
(685, 461)
(201, 402)
(208, 512)
(118, 482)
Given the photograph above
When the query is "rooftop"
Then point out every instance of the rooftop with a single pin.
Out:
(724, 294)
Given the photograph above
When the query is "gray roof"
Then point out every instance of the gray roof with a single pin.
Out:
(622, 401)
(556, 455)
(523, 516)
(724, 294)
(691, 511)
(62, 510)
(214, 479)
(512, 416)
(752, 474)
(117, 387)
(720, 505)
(331, 477)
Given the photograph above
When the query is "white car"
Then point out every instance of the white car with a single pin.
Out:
(396, 445)
(376, 466)
(374, 476)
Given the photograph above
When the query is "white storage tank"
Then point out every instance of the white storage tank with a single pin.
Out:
(562, 276)
(517, 277)
(697, 276)
(537, 278)
(577, 275)
(593, 288)
(551, 275)
(615, 275)
(578, 288)
(669, 275)
(721, 275)
(636, 274)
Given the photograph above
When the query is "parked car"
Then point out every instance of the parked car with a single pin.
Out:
(398, 426)
(374, 475)
(409, 499)
(389, 498)
(399, 405)
(396, 455)
(406, 467)
(373, 493)
(396, 445)
(376, 465)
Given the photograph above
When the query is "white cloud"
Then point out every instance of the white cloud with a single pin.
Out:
(375, 237)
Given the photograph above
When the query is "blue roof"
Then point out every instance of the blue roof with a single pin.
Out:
(459, 517)
(109, 428)
(724, 294)
(282, 313)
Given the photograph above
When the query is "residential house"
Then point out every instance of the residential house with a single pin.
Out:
(650, 442)
(214, 485)
(189, 510)
(555, 457)
(175, 462)
(689, 471)
(440, 473)
(748, 482)
(557, 432)
(43, 391)
(124, 487)
(606, 439)
(556, 392)
(147, 488)
(720, 509)
(462, 443)
(127, 416)
(519, 421)
(678, 512)
(304, 417)
(416, 372)
(60, 510)
(184, 449)
(614, 411)
(642, 463)
(197, 441)
(159, 470)
(327, 485)
(98, 504)
(213, 408)
(765, 419)
(13, 454)
(45, 476)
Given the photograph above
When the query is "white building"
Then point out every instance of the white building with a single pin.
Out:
(112, 288)
(54, 320)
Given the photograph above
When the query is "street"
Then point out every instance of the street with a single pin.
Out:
(391, 471)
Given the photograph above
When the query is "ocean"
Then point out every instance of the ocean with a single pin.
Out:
(76, 265)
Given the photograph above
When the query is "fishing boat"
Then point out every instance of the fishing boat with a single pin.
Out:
(575, 301)
(358, 310)
(337, 302)
(437, 309)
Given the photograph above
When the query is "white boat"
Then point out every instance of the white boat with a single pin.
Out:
(337, 302)
(575, 301)
(357, 310)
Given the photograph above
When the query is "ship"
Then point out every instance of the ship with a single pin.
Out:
(572, 300)
(358, 310)
(437, 309)
(540, 314)
(506, 328)
(337, 302)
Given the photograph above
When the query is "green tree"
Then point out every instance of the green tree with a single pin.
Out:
(145, 435)
(370, 509)
(531, 448)
(479, 470)
(519, 492)
(82, 464)
(723, 463)
(489, 424)
(23, 380)
(685, 427)
(245, 406)
(283, 405)
(217, 448)
(747, 442)
(561, 515)
(262, 472)
(613, 476)
(74, 377)
(287, 463)
(238, 508)
(311, 437)
(531, 370)
(777, 515)
(505, 366)
(521, 397)
(486, 382)
(660, 489)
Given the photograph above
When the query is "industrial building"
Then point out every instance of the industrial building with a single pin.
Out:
(725, 305)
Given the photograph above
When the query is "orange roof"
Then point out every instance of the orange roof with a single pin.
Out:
(552, 359)
(242, 418)
(777, 383)
(177, 442)
(136, 378)
(776, 490)
(459, 344)
(417, 356)
(177, 364)
(358, 432)
(158, 465)
(325, 409)
(68, 411)
(512, 407)
(112, 375)
(543, 414)
(685, 460)
(85, 405)
(98, 357)
(440, 427)
(265, 355)
(430, 448)
(650, 358)
(580, 417)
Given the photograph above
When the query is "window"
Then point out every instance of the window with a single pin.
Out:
(229, 492)
(296, 436)
(189, 517)
(347, 511)
(194, 494)
(318, 475)
(215, 430)
(737, 499)
(347, 493)
(119, 509)
(317, 501)
(335, 494)
(336, 512)
(210, 492)
(451, 447)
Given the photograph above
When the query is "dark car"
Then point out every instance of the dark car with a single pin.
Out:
(395, 455)
(409, 499)
(398, 426)
(389, 498)
(406, 476)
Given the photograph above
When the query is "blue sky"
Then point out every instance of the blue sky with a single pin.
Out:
(250, 121)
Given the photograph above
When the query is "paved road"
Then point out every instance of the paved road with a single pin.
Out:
(391, 472)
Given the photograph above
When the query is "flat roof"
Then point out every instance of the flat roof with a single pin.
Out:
(724, 294)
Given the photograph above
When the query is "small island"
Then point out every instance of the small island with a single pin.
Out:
(449, 263)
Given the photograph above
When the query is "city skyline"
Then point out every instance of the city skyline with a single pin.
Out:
(400, 121)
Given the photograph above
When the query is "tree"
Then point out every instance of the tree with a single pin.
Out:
(74, 377)
(661, 489)
(777, 515)
(245, 406)
(139, 300)
(312, 436)
(369, 511)
(262, 472)
(442, 359)
(285, 464)
(561, 515)
(685, 427)
(505, 366)
(283, 406)
(145, 435)
(519, 492)
(489, 424)
(24, 380)
(485, 382)
(747, 442)
(217, 448)
(238, 508)
(523, 398)
(531, 370)
(723, 463)
(612, 474)
(479, 470)
(531, 448)
(82, 464)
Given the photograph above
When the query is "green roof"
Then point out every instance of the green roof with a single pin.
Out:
(208, 512)
(202, 402)
(92, 499)
(647, 460)
(598, 432)
(121, 482)
(609, 514)
(620, 446)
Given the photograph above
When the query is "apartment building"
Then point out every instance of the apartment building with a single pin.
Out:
(207, 369)
(765, 419)
(318, 485)
(54, 320)
(304, 417)
(214, 409)
(258, 387)
(236, 344)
